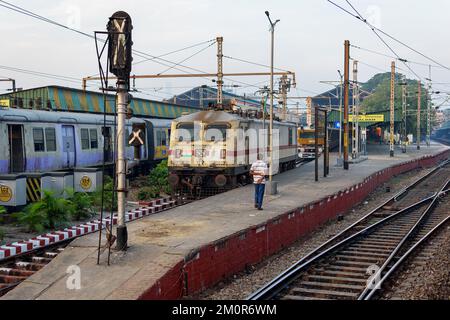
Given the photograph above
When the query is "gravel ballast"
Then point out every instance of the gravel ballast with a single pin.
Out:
(242, 285)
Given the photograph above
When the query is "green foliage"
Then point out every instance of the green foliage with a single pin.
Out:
(49, 212)
(158, 178)
(82, 204)
(108, 202)
(147, 193)
(379, 100)
(2, 210)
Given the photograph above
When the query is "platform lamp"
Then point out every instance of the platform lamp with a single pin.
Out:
(120, 58)
(272, 184)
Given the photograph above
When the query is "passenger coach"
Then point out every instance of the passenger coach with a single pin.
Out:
(40, 141)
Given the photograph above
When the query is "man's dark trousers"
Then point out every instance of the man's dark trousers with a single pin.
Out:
(259, 194)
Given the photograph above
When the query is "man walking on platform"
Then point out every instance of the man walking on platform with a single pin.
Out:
(259, 170)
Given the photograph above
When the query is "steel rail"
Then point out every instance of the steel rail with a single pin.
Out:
(369, 294)
(404, 239)
(280, 282)
(315, 254)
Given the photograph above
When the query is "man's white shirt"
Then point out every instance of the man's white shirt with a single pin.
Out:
(260, 169)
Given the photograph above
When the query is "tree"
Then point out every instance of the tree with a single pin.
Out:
(379, 99)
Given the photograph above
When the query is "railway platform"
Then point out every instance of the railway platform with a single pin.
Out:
(194, 246)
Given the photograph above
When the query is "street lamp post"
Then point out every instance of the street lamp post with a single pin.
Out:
(272, 30)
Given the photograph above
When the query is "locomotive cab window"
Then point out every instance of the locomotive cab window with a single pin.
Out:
(50, 139)
(216, 132)
(188, 132)
(38, 138)
(291, 137)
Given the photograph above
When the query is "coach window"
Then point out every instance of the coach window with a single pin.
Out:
(84, 139)
(94, 139)
(158, 137)
(290, 137)
(163, 138)
(38, 138)
(50, 139)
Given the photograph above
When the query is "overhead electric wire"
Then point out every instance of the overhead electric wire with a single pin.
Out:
(359, 17)
(142, 54)
(392, 57)
(166, 54)
(150, 57)
(41, 74)
(255, 63)
(184, 60)
(175, 51)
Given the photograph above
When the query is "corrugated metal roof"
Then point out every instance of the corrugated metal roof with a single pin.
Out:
(75, 100)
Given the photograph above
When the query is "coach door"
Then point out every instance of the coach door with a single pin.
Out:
(68, 139)
(16, 159)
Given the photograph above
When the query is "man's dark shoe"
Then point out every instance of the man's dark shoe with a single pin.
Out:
(260, 208)
(256, 206)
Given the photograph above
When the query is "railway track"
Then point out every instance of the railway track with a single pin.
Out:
(15, 269)
(18, 268)
(352, 263)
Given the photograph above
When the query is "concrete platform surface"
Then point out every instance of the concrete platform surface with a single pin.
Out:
(160, 242)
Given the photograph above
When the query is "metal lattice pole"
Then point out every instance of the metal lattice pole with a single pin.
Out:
(392, 113)
(219, 71)
(429, 109)
(418, 114)
(404, 115)
(346, 85)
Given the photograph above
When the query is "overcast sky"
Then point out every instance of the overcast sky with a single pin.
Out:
(309, 39)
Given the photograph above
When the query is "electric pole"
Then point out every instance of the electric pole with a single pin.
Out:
(418, 115)
(429, 108)
(355, 148)
(346, 98)
(392, 113)
(284, 87)
(219, 72)
(309, 112)
(13, 83)
(403, 84)
(339, 160)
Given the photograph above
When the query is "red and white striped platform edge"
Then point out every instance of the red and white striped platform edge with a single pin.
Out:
(147, 208)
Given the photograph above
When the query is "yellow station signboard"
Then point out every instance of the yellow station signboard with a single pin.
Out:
(4, 103)
(368, 118)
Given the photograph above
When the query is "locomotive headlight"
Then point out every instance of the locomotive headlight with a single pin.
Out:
(302, 149)
(320, 150)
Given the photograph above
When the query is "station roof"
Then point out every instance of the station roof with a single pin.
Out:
(60, 98)
(201, 96)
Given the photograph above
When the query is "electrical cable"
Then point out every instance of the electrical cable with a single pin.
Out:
(184, 60)
(388, 35)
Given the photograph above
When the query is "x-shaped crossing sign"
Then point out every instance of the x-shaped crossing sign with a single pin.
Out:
(136, 138)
